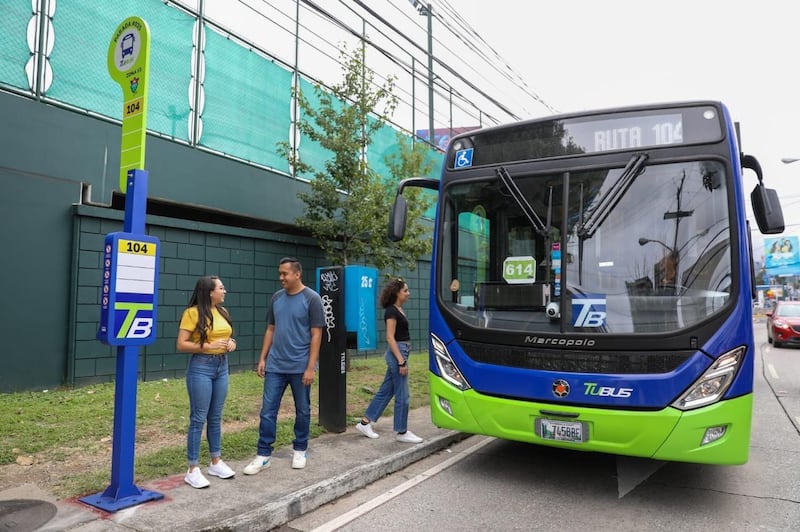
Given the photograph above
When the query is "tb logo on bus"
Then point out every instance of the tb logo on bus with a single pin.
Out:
(588, 310)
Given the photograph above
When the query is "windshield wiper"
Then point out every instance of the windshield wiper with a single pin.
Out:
(610, 199)
(524, 205)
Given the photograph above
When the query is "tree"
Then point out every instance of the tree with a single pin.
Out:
(348, 206)
(412, 159)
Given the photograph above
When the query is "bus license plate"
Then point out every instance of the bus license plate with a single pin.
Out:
(569, 431)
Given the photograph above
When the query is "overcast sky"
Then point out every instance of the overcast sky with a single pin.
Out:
(586, 54)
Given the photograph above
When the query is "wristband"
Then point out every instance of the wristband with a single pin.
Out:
(403, 364)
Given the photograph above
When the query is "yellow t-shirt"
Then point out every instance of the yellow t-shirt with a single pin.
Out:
(222, 329)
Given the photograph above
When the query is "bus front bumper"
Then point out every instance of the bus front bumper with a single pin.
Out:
(667, 434)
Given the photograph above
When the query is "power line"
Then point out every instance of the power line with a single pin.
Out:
(399, 43)
(520, 83)
(438, 61)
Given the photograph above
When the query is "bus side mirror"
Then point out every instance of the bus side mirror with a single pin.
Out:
(766, 206)
(767, 210)
(397, 218)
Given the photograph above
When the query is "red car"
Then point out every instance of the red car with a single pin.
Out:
(783, 323)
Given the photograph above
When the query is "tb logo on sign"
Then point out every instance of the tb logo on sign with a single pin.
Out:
(137, 321)
(588, 310)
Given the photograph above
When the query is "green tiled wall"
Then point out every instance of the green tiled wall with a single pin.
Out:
(247, 262)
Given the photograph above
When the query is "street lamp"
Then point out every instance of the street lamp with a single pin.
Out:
(643, 241)
(673, 254)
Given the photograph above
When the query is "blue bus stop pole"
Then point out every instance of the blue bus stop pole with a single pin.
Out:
(122, 492)
(122, 455)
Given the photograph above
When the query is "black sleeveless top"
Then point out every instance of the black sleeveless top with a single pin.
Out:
(401, 333)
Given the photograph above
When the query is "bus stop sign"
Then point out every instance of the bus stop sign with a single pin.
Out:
(130, 289)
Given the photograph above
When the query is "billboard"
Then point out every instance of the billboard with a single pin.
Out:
(782, 255)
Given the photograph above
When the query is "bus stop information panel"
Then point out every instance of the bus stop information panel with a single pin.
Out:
(129, 300)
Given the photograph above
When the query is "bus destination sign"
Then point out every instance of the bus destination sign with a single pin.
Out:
(593, 133)
(623, 133)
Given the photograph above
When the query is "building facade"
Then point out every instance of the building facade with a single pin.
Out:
(219, 198)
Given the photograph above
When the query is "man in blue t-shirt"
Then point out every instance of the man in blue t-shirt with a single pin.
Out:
(288, 357)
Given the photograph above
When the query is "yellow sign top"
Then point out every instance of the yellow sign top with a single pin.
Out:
(137, 247)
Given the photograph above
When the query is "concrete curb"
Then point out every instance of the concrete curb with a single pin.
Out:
(307, 499)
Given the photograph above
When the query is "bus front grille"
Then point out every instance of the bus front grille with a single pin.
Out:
(575, 361)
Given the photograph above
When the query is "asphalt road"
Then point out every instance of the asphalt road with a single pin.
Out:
(487, 484)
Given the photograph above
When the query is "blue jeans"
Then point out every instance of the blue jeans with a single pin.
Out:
(394, 385)
(207, 384)
(274, 387)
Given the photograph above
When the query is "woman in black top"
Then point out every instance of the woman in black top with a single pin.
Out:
(395, 383)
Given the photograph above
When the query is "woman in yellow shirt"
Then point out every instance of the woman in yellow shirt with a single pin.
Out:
(205, 332)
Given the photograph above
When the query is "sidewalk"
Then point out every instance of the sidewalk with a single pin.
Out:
(337, 464)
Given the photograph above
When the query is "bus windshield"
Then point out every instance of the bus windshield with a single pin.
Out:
(639, 248)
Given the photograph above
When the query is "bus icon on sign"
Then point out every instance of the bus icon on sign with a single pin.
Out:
(463, 158)
(127, 45)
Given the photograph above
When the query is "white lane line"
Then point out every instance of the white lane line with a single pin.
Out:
(772, 371)
(355, 513)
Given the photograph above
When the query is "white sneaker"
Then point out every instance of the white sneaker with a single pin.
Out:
(258, 463)
(194, 477)
(409, 437)
(299, 460)
(366, 430)
(221, 470)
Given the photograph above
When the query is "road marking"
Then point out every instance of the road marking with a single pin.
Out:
(355, 513)
(797, 418)
(772, 371)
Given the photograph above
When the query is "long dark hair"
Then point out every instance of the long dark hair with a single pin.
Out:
(389, 293)
(201, 298)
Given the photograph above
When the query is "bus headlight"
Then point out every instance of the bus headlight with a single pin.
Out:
(713, 383)
(447, 368)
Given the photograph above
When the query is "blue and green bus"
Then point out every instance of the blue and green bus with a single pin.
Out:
(592, 282)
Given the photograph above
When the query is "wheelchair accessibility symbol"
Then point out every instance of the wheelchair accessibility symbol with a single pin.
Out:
(463, 158)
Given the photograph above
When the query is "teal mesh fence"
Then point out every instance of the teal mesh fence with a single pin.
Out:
(312, 152)
(83, 31)
(383, 145)
(247, 106)
(14, 51)
(436, 158)
(247, 102)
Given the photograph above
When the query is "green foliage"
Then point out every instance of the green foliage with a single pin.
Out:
(348, 206)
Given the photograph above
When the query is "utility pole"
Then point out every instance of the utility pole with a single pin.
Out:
(425, 9)
(430, 72)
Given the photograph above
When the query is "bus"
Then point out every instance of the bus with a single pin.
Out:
(592, 282)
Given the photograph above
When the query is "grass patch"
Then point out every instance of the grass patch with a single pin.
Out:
(61, 424)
